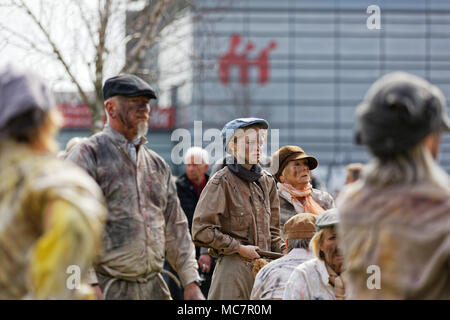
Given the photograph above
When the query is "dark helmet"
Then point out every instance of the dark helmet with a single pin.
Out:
(398, 112)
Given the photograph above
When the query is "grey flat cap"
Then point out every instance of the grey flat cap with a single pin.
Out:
(230, 128)
(20, 92)
(327, 219)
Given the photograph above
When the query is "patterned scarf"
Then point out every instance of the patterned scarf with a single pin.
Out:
(337, 283)
(300, 199)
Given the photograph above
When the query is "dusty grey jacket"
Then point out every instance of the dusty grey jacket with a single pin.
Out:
(145, 218)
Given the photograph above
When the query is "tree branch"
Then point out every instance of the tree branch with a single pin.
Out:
(86, 21)
(59, 56)
(136, 55)
(104, 15)
(31, 43)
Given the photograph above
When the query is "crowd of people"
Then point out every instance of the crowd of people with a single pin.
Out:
(109, 206)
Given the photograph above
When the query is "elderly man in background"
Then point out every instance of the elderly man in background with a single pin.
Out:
(353, 171)
(51, 213)
(320, 278)
(270, 282)
(238, 211)
(189, 187)
(145, 219)
(291, 167)
(397, 216)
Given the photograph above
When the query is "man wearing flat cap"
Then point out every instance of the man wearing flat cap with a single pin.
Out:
(145, 220)
(397, 215)
(292, 167)
(271, 280)
(238, 211)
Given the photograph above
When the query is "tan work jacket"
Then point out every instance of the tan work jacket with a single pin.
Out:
(232, 211)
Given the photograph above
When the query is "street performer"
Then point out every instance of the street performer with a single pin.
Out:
(238, 212)
(145, 220)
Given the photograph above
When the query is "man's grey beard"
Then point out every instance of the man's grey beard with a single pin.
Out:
(142, 129)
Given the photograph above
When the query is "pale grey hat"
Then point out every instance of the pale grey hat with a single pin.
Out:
(20, 92)
(327, 219)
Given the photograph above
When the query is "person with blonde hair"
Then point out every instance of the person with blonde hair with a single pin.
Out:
(238, 211)
(320, 278)
(51, 213)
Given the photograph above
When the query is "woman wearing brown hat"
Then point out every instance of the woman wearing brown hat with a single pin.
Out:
(291, 167)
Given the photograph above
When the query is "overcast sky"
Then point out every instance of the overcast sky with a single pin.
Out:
(62, 18)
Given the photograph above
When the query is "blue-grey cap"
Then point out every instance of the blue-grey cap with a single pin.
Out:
(21, 91)
(230, 128)
(327, 219)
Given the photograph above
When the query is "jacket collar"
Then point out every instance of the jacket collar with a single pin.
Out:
(301, 253)
(120, 139)
(252, 175)
(322, 270)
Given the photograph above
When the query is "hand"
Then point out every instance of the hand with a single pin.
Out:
(193, 292)
(98, 292)
(285, 251)
(248, 252)
(204, 262)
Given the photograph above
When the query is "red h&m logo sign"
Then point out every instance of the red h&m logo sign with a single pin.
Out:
(240, 60)
(76, 115)
(162, 118)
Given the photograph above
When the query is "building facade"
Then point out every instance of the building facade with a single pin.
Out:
(302, 65)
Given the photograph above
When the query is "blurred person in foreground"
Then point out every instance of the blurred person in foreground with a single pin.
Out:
(292, 167)
(397, 216)
(238, 211)
(51, 213)
(270, 282)
(145, 221)
(320, 278)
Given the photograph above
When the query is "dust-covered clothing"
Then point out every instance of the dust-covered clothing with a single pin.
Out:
(309, 281)
(232, 278)
(287, 209)
(51, 222)
(401, 232)
(145, 219)
(231, 212)
(270, 282)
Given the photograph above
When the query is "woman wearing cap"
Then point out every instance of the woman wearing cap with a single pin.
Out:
(291, 167)
(320, 278)
(238, 212)
(51, 213)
